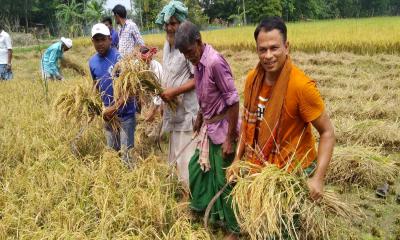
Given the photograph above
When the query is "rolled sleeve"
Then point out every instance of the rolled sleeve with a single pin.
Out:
(224, 81)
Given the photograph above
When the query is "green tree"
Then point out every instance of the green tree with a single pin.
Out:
(196, 14)
(94, 10)
(70, 18)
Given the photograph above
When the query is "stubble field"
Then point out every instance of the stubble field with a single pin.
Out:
(47, 192)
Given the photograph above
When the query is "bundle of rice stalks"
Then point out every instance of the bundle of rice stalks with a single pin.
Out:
(271, 203)
(68, 63)
(82, 103)
(147, 136)
(133, 78)
(364, 166)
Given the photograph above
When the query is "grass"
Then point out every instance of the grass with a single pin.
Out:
(346, 35)
(48, 192)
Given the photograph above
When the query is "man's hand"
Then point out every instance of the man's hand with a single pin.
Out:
(316, 188)
(168, 94)
(59, 77)
(108, 113)
(9, 67)
(197, 124)
(227, 148)
(233, 170)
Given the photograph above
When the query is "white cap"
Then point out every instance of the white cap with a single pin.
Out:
(67, 42)
(100, 28)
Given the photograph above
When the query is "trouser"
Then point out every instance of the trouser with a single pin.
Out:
(122, 139)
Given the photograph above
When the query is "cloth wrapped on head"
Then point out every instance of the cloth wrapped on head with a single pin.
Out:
(173, 8)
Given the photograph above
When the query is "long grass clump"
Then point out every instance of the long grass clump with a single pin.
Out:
(79, 103)
(271, 203)
(134, 79)
(362, 166)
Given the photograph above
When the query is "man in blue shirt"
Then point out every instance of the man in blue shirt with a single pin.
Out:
(50, 68)
(101, 65)
(114, 35)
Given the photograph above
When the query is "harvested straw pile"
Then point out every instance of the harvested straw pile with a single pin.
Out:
(270, 203)
(82, 103)
(363, 166)
(69, 63)
(133, 78)
(147, 136)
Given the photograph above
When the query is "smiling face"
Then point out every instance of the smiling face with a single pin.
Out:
(101, 43)
(272, 50)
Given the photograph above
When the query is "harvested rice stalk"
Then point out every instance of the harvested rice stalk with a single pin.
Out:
(364, 166)
(183, 229)
(81, 104)
(271, 203)
(147, 136)
(133, 78)
(68, 63)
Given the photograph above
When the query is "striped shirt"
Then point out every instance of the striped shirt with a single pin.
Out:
(129, 37)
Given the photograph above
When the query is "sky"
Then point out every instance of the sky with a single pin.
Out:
(111, 3)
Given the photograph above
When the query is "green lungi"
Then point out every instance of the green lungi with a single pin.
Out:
(204, 186)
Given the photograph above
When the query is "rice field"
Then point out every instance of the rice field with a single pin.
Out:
(47, 192)
(366, 36)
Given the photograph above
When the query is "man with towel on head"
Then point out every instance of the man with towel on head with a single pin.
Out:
(178, 83)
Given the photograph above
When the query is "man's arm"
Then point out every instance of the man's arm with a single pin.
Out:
(170, 93)
(230, 173)
(325, 148)
(136, 35)
(198, 122)
(10, 52)
(233, 114)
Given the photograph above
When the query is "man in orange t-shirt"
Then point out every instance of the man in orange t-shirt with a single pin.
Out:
(281, 106)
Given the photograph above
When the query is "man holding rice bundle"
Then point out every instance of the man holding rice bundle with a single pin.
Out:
(281, 104)
(179, 83)
(101, 67)
(217, 124)
(50, 68)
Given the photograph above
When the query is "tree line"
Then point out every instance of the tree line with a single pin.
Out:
(74, 17)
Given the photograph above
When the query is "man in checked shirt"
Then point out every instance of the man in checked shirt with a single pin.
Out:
(129, 34)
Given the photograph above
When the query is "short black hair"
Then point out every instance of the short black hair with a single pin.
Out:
(107, 19)
(186, 35)
(270, 24)
(119, 10)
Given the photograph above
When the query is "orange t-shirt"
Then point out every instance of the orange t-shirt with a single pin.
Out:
(303, 104)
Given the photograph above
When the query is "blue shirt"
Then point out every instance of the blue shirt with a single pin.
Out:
(101, 69)
(50, 59)
(114, 38)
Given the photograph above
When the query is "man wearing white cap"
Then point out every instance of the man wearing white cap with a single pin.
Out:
(50, 68)
(101, 65)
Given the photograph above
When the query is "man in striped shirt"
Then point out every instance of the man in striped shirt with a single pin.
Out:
(129, 34)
